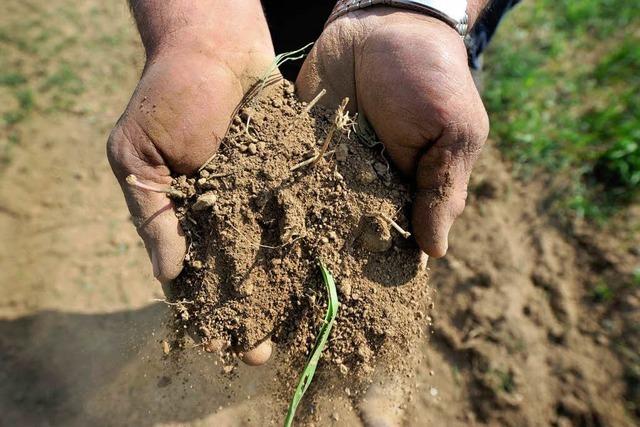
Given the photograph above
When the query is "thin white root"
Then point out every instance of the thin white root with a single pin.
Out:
(134, 181)
(314, 101)
(395, 225)
(311, 160)
(246, 130)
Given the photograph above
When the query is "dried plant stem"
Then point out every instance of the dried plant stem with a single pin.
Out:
(314, 101)
(395, 225)
(178, 303)
(340, 121)
(310, 160)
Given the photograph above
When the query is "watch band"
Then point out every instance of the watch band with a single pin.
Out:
(452, 12)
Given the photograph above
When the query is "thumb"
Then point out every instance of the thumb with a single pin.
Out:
(442, 178)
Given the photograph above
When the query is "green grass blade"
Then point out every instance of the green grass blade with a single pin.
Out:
(281, 59)
(310, 368)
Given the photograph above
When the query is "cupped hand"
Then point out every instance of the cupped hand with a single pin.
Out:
(407, 73)
(173, 123)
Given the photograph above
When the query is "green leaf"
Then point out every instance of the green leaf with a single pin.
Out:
(310, 368)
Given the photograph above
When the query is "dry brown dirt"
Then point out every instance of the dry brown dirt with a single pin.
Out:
(519, 338)
(259, 217)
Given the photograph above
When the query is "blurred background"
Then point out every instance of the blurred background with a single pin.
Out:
(538, 313)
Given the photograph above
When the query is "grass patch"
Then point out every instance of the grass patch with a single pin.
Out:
(65, 80)
(26, 104)
(562, 96)
(12, 79)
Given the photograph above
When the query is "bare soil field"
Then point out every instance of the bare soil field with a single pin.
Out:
(524, 332)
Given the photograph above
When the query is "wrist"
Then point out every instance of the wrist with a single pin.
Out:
(234, 33)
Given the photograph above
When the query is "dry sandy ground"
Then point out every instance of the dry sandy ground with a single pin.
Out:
(518, 338)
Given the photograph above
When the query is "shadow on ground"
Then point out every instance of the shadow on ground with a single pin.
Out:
(67, 369)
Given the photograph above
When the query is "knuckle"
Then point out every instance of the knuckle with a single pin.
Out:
(116, 147)
(482, 128)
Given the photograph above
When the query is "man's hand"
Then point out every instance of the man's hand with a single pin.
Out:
(199, 65)
(408, 74)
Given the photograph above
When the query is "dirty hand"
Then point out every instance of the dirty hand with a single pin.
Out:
(407, 74)
(194, 77)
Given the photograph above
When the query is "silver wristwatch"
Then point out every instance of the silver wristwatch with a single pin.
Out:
(453, 12)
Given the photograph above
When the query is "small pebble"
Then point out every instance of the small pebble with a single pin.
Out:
(253, 149)
(205, 201)
(259, 355)
(165, 347)
(380, 168)
(342, 152)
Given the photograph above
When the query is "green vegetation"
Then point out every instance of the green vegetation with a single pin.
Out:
(562, 92)
(25, 105)
(602, 292)
(12, 79)
(65, 80)
(310, 368)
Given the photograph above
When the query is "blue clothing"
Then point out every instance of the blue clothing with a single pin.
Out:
(485, 28)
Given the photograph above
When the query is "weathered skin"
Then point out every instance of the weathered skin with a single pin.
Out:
(408, 74)
(405, 72)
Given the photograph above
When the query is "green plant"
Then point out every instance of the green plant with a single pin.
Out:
(12, 79)
(602, 292)
(65, 80)
(312, 363)
(562, 96)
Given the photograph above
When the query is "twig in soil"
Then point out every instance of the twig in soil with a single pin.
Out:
(220, 175)
(310, 160)
(177, 303)
(340, 122)
(395, 225)
(134, 181)
(312, 363)
(314, 101)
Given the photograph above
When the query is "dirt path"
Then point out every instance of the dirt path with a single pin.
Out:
(518, 339)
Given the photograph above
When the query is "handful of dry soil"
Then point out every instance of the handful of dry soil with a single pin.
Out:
(257, 226)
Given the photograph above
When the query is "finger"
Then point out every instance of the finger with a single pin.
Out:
(152, 211)
(163, 238)
(441, 183)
